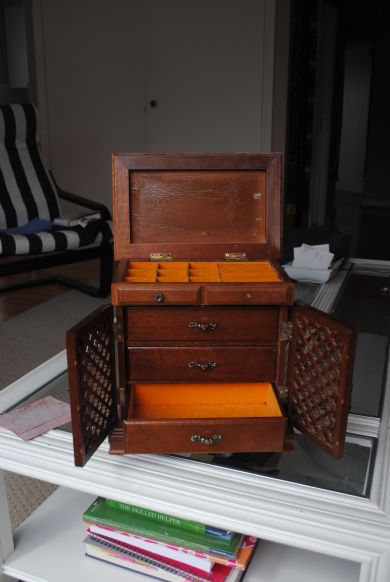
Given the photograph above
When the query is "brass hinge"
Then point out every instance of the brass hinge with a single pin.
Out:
(283, 393)
(118, 330)
(235, 256)
(160, 257)
(121, 402)
(286, 331)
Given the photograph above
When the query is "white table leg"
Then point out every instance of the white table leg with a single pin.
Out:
(6, 539)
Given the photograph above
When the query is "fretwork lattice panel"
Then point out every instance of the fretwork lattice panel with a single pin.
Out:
(97, 383)
(318, 382)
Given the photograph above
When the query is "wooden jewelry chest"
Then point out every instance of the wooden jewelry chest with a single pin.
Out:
(202, 348)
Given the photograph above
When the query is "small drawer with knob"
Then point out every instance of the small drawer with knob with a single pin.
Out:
(202, 324)
(140, 294)
(244, 294)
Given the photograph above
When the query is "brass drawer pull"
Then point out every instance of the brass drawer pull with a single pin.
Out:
(204, 366)
(203, 326)
(196, 438)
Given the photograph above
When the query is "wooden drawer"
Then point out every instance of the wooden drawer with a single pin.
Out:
(202, 324)
(143, 294)
(246, 294)
(201, 418)
(172, 436)
(202, 364)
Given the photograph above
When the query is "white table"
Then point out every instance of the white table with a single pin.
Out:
(308, 533)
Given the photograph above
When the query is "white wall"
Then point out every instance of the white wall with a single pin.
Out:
(92, 90)
(280, 75)
(206, 66)
(15, 26)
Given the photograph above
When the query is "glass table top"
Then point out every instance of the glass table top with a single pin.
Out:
(360, 304)
(364, 303)
(306, 464)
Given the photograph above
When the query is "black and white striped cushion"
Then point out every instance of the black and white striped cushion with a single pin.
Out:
(26, 189)
(27, 192)
(58, 239)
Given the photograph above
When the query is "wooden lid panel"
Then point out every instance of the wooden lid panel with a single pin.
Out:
(196, 206)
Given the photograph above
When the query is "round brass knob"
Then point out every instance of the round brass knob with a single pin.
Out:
(159, 297)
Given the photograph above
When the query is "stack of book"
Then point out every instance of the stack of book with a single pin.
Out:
(163, 546)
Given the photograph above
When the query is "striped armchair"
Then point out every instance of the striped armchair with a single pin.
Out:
(29, 203)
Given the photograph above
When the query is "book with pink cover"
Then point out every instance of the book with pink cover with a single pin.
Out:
(184, 555)
(194, 558)
(105, 548)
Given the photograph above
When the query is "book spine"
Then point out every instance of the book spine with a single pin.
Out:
(156, 516)
(218, 533)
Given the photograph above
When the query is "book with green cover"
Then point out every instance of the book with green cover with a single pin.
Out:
(101, 513)
(171, 520)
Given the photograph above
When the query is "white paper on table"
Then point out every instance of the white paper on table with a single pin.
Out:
(36, 418)
(312, 257)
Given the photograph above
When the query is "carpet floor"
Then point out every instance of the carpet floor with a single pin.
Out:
(28, 340)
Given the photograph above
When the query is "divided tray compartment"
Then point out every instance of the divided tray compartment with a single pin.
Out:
(201, 272)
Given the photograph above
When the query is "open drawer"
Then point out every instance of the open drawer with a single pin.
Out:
(167, 418)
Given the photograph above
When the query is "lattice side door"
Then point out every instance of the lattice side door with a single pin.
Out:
(92, 383)
(320, 377)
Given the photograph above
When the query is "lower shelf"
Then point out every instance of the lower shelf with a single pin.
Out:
(49, 548)
(49, 545)
(279, 563)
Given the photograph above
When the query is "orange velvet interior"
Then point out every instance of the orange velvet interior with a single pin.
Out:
(201, 272)
(203, 401)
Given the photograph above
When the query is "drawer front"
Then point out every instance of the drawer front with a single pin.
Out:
(205, 435)
(276, 294)
(202, 364)
(127, 294)
(185, 324)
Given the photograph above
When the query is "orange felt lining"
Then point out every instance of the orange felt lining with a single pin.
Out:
(173, 279)
(175, 265)
(252, 278)
(204, 401)
(142, 265)
(202, 272)
(140, 272)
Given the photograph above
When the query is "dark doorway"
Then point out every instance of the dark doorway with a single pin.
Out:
(337, 152)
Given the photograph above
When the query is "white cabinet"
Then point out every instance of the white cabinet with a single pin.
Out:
(61, 534)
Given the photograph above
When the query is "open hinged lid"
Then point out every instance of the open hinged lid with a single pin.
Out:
(92, 383)
(196, 206)
(319, 379)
